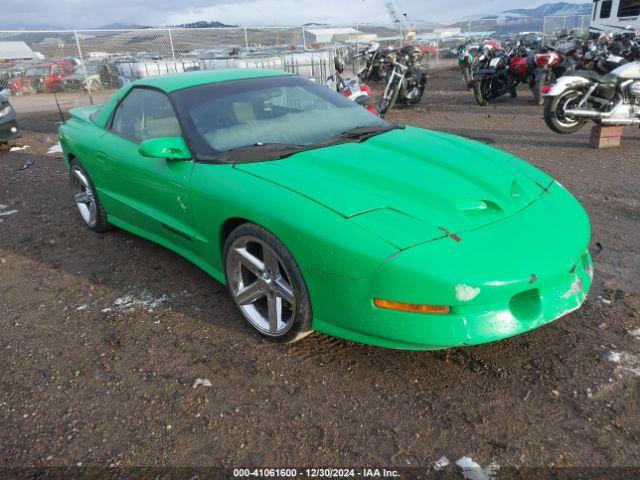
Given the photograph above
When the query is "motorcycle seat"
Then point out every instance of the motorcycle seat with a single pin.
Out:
(596, 77)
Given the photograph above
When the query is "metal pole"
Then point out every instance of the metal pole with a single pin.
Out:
(84, 70)
(173, 52)
(246, 40)
(544, 30)
(469, 27)
(304, 40)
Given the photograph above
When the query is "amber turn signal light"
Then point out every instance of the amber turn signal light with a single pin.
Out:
(410, 307)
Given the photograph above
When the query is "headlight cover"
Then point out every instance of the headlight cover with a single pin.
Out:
(4, 111)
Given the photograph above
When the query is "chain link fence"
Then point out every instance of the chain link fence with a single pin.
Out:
(92, 61)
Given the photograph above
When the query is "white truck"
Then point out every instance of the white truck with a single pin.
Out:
(614, 15)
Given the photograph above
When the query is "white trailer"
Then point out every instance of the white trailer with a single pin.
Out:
(614, 15)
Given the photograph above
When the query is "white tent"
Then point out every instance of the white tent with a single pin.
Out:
(17, 51)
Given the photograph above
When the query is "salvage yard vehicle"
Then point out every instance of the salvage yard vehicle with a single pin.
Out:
(611, 99)
(320, 216)
(407, 79)
(9, 129)
(76, 80)
(46, 77)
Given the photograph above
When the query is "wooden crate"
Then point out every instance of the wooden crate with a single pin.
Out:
(605, 136)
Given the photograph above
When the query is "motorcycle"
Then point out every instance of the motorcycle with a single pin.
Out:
(611, 99)
(493, 78)
(371, 63)
(352, 88)
(407, 80)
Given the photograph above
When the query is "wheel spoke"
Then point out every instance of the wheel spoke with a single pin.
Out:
(283, 289)
(275, 312)
(249, 294)
(250, 261)
(81, 178)
(270, 261)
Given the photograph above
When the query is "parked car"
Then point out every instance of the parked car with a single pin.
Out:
(76, 80)
(9, 129)
(41, 78)
(319, 215)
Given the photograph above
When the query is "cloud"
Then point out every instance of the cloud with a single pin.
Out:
(95, 13)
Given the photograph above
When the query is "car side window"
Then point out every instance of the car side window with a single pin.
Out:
(145, 113)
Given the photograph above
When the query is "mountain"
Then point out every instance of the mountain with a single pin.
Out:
(121, 26)
(203, 24)
(550, 9)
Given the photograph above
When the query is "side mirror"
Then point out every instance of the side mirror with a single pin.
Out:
(171, 148)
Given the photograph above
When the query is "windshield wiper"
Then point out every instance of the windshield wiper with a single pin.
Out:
(259, 151)
(365, 132)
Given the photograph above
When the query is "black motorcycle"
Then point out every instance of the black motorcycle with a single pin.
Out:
(406, 81)
(493, 78)
(371, 63)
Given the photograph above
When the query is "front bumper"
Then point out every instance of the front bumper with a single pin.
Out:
(9, 129)
(500, 280)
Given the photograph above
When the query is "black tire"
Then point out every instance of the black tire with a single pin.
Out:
(477, 94)
(557, 122)
(303, 315)
(101, 224)
(513, 91)
(387, 104)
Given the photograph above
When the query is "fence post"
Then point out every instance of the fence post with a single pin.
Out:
(469, 31)
(304, 39)
(173, 52)
(544, 30)
(84, 69)
(246, 39)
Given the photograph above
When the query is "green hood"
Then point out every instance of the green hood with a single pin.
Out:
(410, 186)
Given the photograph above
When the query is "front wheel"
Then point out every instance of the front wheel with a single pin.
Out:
(86, 199)
(479, 94)
(389, 98)
(266, 284)
(554, 112)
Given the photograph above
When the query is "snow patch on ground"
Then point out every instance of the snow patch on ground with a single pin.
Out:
(441, 463)
(57, 148)
(634, 332)
(626, 362)
(465, 293)
(17, 149)
(472, 470)
(142, 300)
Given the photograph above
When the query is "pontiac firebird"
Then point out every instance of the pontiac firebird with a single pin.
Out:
(320, 216)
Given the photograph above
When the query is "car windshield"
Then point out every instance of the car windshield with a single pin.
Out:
(38, 71)
(280, 112)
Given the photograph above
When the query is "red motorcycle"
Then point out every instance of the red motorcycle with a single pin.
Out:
(534, 70)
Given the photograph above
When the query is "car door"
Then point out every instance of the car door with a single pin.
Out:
(149, 194)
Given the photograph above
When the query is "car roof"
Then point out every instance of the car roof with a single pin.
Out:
(171, 83)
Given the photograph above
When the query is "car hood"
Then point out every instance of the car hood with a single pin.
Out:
(410, 185)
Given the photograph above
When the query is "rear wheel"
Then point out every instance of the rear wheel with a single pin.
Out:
(266, 284)
(554, 112)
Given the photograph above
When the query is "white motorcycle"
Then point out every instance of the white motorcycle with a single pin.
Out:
(584, 95)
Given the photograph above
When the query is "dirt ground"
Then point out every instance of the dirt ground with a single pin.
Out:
(102, 338)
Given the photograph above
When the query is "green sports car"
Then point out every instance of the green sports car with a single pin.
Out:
(320, 216)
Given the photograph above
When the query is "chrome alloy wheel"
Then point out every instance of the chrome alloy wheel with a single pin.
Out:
(84, 196)
(261, 285)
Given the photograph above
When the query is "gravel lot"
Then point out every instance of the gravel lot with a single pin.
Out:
(103, 337)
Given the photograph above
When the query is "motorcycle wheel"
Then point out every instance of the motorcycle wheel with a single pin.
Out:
(388, 102)
(478, 94)
(554, 108)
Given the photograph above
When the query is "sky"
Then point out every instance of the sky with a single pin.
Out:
(96, 13)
